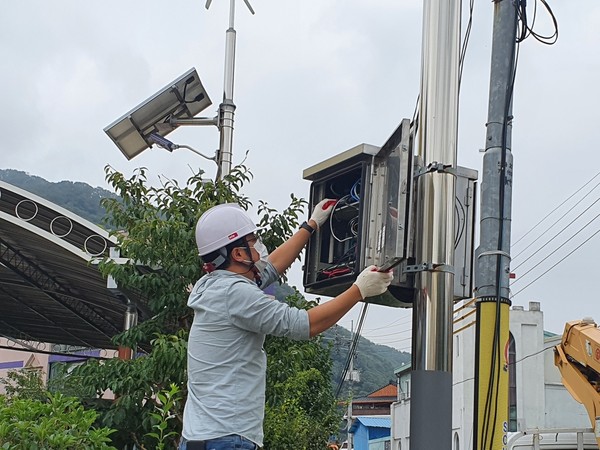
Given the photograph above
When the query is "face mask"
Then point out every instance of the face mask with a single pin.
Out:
(263, 253)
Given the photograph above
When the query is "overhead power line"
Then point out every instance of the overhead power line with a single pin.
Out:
(554, 210)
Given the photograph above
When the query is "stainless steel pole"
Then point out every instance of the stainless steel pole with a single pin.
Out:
(227, 107)
(431, 376)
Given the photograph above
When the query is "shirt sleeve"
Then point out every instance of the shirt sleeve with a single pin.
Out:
(269, 275)
(251, 309)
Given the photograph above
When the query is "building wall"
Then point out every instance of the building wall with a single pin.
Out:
(542, 400)
(19, 358)
(380, 444)
(527, 328)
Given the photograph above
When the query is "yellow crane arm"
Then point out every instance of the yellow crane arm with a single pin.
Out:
(578, 359)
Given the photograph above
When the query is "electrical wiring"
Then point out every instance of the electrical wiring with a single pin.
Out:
(349, 256)
(461, 228)
(529, 356)
(400, 321)
(558, 207)
(331, 273)
(396, 340)
(369, 336)
(559, 219)
(465, 43)
(526, 30)
(343, 201)
(577, 191)
(558, 248)
(560, 261)
(354, 191)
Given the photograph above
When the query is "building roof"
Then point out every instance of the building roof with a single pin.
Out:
(403, 368)
(371, 422)
(389, 390)
(50, 287)
(386, 394)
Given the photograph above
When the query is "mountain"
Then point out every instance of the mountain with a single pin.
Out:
(79, 198)
(376, 363)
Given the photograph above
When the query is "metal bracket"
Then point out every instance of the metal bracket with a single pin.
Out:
(494, 253)
(435, 167)
(429, 267)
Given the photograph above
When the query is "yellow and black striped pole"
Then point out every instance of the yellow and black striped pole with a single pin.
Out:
(491, 373)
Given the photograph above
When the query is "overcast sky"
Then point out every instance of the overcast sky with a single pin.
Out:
(313, 78)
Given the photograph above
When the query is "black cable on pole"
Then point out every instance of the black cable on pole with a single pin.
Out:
(352, 350)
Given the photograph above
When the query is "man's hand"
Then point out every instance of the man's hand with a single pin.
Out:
(371, 282)
(322, 211)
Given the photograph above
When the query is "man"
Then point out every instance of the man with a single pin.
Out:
(226, 360)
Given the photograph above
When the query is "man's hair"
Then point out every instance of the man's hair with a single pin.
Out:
(224, 252)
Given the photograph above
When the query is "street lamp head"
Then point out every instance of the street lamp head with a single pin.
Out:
(138, 129)
(162, 142)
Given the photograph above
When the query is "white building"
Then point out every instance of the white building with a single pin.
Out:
(537, 398)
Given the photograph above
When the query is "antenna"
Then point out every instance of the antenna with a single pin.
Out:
(208, 3)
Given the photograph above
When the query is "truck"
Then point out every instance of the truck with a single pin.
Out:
(578, 360)
(552, 439)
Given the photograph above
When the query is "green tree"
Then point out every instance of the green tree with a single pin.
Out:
(155, 229)
(301, 408)
(55, 423)
(24, 383)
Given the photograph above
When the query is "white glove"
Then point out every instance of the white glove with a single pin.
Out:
(371, 283)
(322, 211)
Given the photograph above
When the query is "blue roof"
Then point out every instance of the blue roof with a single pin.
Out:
(375, 421)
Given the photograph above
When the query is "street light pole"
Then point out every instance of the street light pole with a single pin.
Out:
(227, 107)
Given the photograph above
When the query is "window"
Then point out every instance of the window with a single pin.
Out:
(512, 384)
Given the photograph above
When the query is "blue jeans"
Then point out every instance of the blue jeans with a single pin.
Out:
(231, 442)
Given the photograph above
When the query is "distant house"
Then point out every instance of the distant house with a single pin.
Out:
(368, 430)
(376, 403)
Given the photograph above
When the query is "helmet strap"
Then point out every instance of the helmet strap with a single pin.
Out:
(252, 265)
(219, 260)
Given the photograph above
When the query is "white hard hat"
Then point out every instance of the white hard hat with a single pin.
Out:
(221, 225)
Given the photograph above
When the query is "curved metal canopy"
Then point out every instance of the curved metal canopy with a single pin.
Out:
(50, 287)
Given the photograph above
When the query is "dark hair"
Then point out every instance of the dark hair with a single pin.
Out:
(212, 256)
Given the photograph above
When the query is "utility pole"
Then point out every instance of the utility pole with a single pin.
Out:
(493, 255)
(350, 376)
(431, 376)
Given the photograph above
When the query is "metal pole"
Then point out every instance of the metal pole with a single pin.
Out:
(431, 376)
(227, 107)
(351, 390)
(493, 254)
(130, 321)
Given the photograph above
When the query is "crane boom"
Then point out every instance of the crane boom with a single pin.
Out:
(578, 359)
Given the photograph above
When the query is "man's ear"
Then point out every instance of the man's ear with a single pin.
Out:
(238, 254)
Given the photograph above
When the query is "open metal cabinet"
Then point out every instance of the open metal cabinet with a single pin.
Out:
(372, 220)
(369, 224)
